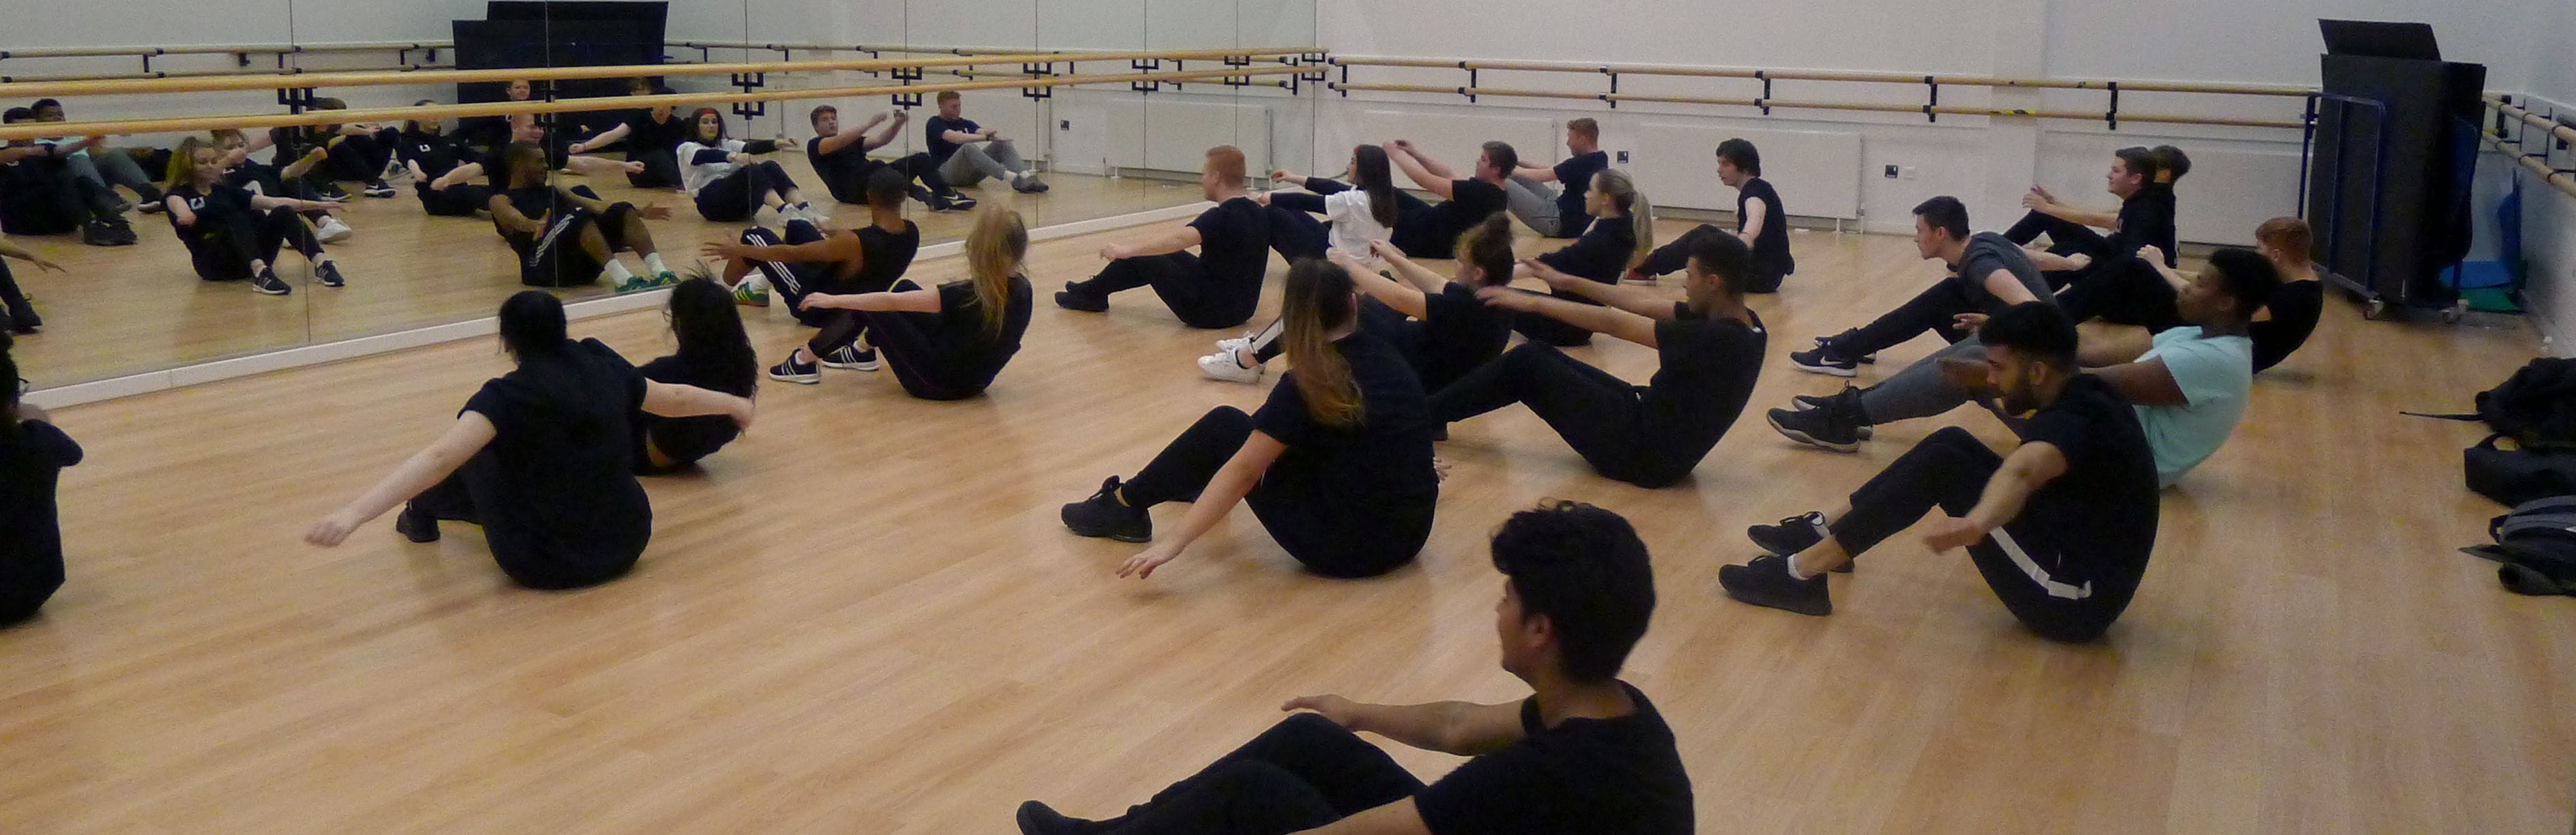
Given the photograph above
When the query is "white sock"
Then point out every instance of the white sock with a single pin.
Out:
(616, 272)
(1792, 562)
(653, 263)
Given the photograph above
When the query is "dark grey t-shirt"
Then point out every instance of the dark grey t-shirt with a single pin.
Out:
(1988, 252)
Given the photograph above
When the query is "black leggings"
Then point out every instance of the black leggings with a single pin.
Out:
(223, 245)
(518, 551)
(459, 200)
(2121, 290)
(2065, 237)
(57, 203)
(362, 158)
(853, 189)
(1593, 410)
(1949, 470)
(1936, 309)
(735, 197)
(926, 357)
(1673, 257)
(661, 168)
(1303, 773)
(15, 302)
(1298, 510)
(1184, 285)
(1294, 231)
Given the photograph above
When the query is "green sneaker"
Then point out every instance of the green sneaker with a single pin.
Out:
(635, 284)
(748, 295)
(665, 278)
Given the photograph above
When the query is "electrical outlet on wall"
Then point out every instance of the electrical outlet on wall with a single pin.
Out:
(1623, 157)
(1064, 124)
(1891, 172)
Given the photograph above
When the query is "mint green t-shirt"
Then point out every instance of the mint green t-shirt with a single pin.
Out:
(2216, 375)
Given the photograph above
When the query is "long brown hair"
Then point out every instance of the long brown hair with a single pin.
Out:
(1488, 246)
(1318, 302)
(1623, 193)
(994, 250)
(183, 162)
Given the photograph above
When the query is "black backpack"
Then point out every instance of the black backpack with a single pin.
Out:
(2536, 543)
(2535, 409)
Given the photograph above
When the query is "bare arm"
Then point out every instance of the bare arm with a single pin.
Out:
(2155, 257)
(1402, 817)
(1163, 244)
(837, 245)
(961, 137)
(1635, 300)
(2061, 211)
(604, 137)
(508, 217)
(1757, 211)
(2146, 383)
(10, 250)
(1421, 277)
(264, 202)
(456, 175)
(1227, 489)
(305, 164)
(1420, 170)
(596, 167)
(1607, 321)
(907, 301)
(2051, 262)
(2026, 470)
(678, 401)
(1405, 299)
(423, 470)
(894, 127)
(1466, 729)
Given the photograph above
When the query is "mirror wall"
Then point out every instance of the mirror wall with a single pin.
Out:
(421, 250)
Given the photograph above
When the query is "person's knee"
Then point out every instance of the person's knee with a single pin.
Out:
(756, 236)
(1226, 416)
(803, 231)
(1953, 440)
(1531, 355)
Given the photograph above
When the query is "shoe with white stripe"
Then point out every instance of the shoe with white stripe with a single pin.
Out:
(749, 294)
(851, 358)
(791, 371)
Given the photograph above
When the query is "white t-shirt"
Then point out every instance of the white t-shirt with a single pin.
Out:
(1353, 225)
(2216, 375)
(694, 176)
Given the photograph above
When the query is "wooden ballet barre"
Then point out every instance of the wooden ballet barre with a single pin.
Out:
(240, 49)
(120, 127)
(313, 80)
(1821, 75)
(2561, 131)
(2564, 181)
(257, 71)
(953, 50)
(1917, 109)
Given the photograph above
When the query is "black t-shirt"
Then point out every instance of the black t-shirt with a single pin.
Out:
(1377, 473)
(1601, 254)
(556, 486)
(224, 203)
(1574, 178)
(267, 177)
(1433, 232)
(292, 144)
(437, 153)
(1619, 776)
(690, 438)
(643, 135)
(2295, 308)
(1707, 375)
(534, 202)
(883, 256)
(977, 355)
(2146, 219)
(2099, 518)
(32, 457)
(1234, 249)
(1771, 248)
(846, 165)
(934, 135)
(1459, 332)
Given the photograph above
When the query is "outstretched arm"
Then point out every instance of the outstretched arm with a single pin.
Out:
(837, 245)
(678, 401)
(1163, 244)
(2039, 200)
(1757, 211)
(10, 250)
(1466, 729)
(1420, 170)
(600, 141)
(1404, 299)
(893, 127)
(2146, 383)
(423, 470)
(1607, 321)
(903, 301)
(455, 175)
(1421, 277)
(1632, 299)
(2155, 257)
(2026, 470)
(1227, 489)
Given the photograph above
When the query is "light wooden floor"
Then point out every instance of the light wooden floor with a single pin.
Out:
(129, 309)
(864, 617)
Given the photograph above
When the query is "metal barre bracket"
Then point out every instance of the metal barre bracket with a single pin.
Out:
(1765, 101)
(1933, 98)
(2112, 116)
(749, 82)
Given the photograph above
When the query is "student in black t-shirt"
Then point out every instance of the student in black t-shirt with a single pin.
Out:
(22, 313)
(841, 159)
(1217, 288)
(288, 181)
(523, 128)
(2061, 528)
(950, 341)
(427, 153)
(32, 456)
(1622, 232)
(542, 457)
(1431, 231)
(1337, 463)
(232, 234)
(808, 259)
(2290, 318)
(1711, 350)
(567, 237)
(1987, 274)
(1759, 221)
(2130, 299)
(714, 354)
(1443, 330)
(1559, 211)
(652, 137)
(968, 153)
(1585, 753)
(2145, 218)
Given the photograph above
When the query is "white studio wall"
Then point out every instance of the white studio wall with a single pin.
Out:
(2549, 216)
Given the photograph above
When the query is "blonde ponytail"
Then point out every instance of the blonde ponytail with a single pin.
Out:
(1318, 302)
(994, 251)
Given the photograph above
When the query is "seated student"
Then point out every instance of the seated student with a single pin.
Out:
(288, 182)
(543, 458)
(487, 136)
(1711, 348)
(32, 456)
(1622, 232)
(841, 159)
(1427, 231)
(2190, 383)
(567, 238)
(428, 153)
(2145, 218)
(524, 128)
(714, 354)
(2061, 528)
(1759, 221)
(104, 166)
(1987, 274)
(2286, 321)
(967, 153)
(807, 260)
(728, 185)
(233, 234)
(1356, 214)
(39, 195)
(1584, 753)
(652, 137)
(1439, 325)
(351, 153)
(1217, 288)
(1559, 211)
(949, 342)
(22, 314)
(2118, 311)
(1337, 463)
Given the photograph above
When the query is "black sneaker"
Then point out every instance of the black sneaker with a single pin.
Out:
(327, 274)
(1847, 398)
(792, 371)
(1072, 299)
(1766, 582)
(331, 191)
(1818, 428)
(851, 357)
(1823, 361)
(25, 323)
(1870, 358)
(415, 525)
(1792, 535)
(1104, 515)
(1037, 819)
(960, 202)
(104, 233)
(266, 283)
(379, 188)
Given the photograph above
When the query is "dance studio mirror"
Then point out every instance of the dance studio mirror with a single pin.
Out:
(421, 250)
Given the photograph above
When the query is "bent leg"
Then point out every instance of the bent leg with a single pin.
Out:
(1185, 466)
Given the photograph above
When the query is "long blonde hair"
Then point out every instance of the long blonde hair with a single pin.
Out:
(183, 162)
(1318, 302)
(1623, 193)
(994, 250)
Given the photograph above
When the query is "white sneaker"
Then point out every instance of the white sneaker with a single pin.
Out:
(332, 231)
(1227, 346)
(1222, 366)
(813, 215)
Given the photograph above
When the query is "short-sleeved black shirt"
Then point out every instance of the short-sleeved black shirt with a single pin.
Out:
(556, 486)
(687, 439)
(1619, 776)
(883, 257)
(225, 203)
(934, 135)
(2295, 308)
(1459, 332)
(1771, 248)
(1378, 470)
(1433, 232)
(976, 355)
(2101, 514)
(1707, 374)
(32, 457)
(844, 172)
(1234, 249)
(643, 135)
(1601, 254)
(1574, 178)
(437, 153)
